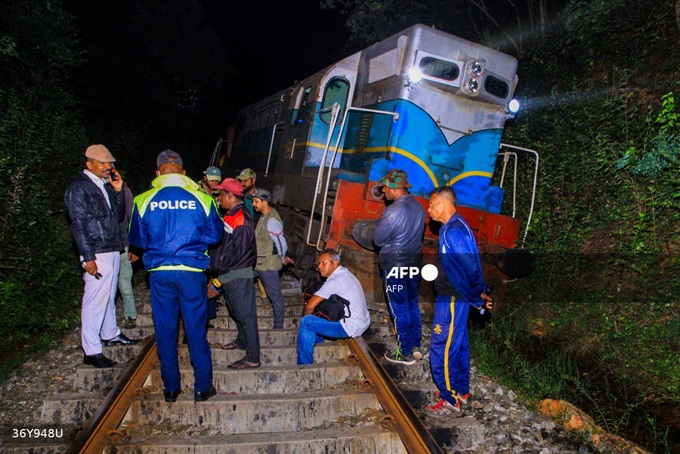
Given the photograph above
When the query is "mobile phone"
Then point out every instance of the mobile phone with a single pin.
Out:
(114, 175)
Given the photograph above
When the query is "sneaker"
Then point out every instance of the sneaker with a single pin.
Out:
(130, 323)
(419, 352)
(396, 356)
(442, 409)
(464, 400)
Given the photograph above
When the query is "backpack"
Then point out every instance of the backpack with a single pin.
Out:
(333, 309)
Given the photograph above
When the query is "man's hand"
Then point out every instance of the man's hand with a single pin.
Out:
(90, 267)
(488, 302)
(287, 260)
(212, 293)
(116, 184)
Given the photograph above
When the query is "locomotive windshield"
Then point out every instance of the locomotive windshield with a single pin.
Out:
(441, 69)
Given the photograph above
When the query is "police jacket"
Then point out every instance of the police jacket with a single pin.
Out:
(237, 249)
(93, 223)
(399, 233)
(174, 223)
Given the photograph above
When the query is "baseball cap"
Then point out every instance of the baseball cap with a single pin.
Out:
(245, 174)
(395, 179)
(262, 194)
(213, 173)
(100, 153)
(231, 185)
(168, 157)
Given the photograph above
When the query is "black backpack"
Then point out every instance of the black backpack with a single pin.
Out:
(333, 309)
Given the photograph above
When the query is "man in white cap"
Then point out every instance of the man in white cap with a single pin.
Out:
(96, 205)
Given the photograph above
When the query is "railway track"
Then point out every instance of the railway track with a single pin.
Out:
(345, 402)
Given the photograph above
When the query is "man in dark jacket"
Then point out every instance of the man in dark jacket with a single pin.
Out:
(174, 223)
(96, 204)
(233, 261)
(399, 235)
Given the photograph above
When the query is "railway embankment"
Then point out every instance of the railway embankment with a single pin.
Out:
(312, 408)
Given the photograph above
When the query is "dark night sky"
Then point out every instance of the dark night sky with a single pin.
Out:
(272, 43)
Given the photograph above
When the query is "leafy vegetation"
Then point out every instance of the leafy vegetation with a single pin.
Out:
(598, 321)
(68, 80)
(38, 287)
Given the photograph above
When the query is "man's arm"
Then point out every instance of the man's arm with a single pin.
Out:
(77, 211)
(137, 232)
(311, 304)
(462, 266)
(383, 229)
(214, 225)
(275, 230)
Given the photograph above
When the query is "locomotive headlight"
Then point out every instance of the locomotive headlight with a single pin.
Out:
(414, 75)
(472, 85)
(513, 106)
(476, 68)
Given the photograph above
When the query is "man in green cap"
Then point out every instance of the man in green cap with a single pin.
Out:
(248, 179)
(399, 235)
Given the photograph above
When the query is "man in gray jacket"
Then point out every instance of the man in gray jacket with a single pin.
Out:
(399, 234)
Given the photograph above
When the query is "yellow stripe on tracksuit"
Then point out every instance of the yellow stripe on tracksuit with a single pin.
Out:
(447, 379)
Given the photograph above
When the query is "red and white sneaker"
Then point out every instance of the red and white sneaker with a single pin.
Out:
(442, 409)
(464, 400)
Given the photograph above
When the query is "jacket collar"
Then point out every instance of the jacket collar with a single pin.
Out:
(174, 179)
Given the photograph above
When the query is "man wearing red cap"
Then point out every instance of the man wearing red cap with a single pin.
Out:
(232, 262)
(96, 206)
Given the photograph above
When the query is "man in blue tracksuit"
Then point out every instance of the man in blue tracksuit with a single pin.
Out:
(173, 223)
(459, 285)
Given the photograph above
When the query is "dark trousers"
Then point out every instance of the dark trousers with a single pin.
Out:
(272, 285)
(402, 300)
(240, 294)
(172, 292)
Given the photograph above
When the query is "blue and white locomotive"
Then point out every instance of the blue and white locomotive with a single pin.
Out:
(424, 101)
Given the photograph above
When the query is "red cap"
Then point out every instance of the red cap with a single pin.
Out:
(231, 185)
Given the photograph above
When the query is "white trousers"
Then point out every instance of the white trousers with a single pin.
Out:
(98, 312)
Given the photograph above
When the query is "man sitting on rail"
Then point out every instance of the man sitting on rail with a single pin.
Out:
(339, 281)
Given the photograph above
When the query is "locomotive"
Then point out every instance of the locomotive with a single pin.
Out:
(423, 101)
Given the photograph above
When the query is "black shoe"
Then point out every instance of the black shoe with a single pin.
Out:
(99, 361)
(205, 395)
(120, 339)
(171, 396)
(130, 323)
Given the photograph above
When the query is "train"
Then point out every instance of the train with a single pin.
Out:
(422, 100)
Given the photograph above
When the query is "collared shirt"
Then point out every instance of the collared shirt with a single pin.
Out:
(343, 283)
(100, 184)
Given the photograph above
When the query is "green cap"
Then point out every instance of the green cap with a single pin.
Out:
(395, 179)
(245, 174)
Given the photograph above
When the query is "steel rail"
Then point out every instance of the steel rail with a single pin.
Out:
(101, 430)
(399, 414)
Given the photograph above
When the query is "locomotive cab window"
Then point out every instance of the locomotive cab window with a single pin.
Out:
(440, 69)
(336, 91)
